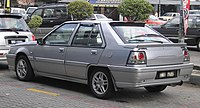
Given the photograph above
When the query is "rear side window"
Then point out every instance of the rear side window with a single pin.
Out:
(138, 34)
(88, 36)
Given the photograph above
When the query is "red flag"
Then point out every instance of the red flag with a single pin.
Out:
(186, 9)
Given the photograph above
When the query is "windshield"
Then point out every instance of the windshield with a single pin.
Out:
(13, 23)
(134, 34)
(30, 10)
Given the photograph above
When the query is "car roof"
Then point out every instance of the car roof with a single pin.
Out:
(52, 5)
(111, 22)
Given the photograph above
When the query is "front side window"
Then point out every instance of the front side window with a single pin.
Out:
(173, 23)
(61, 35)
(88, 36)
(137, 34)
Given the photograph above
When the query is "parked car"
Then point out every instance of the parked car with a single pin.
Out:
(106, 55)
(194, 12)
(99, 17)
(20, 11)
(1, 10)
(13, 29)
(169, 15)
(29, 11)
(153, 20)
(171, 28)
(51, 14)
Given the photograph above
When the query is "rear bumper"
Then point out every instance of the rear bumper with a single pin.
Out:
(142, 76)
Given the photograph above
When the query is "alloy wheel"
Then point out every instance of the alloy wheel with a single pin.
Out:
(22, 68)
(100, 83)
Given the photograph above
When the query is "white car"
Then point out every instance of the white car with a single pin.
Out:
(13, 29)
(100, 17)
(20, 11)
(169, 15)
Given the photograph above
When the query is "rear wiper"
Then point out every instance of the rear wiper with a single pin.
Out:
(136, 40)
(13, 30)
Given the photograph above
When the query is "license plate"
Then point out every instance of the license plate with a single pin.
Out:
(15, 41)
(166, 74)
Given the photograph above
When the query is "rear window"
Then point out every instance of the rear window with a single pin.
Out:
(12, 22)
(138, 34)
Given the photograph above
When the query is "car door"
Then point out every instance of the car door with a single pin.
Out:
(86, 49)
(49, 57)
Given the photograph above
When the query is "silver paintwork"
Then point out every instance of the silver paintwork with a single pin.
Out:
(74, 62)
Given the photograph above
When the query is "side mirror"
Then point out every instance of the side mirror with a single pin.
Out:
(40, 41)
(163, 26)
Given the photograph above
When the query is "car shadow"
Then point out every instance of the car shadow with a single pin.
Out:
(122, 95)
(62, 84)
(3, 65)
(192, 48)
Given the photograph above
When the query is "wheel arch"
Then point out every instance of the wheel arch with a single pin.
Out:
(92, 67)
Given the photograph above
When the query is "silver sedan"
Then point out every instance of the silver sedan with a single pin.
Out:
(106, 55)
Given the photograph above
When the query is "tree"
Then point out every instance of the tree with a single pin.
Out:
(35, 22)
(80, 9)
(135, 10)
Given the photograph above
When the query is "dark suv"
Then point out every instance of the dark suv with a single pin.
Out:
(52, 14)
(170, 30)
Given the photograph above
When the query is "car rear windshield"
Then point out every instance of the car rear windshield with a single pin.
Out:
(138, 34)
(16, 23)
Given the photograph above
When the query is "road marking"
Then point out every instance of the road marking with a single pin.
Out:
(44, 92)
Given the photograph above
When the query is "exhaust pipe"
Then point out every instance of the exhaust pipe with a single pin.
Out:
(175, 84)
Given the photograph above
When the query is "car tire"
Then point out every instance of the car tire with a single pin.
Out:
(156, 88)
(198, 44)
(101, 84)
(23, 69)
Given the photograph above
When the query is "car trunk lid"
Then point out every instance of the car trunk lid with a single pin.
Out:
(161, 54)
(11, 38)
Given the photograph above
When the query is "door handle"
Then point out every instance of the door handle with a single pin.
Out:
(61, 50)
(51, 21)
(93, 52)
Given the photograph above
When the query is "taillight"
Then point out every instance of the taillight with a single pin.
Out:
(33, 37)
(137, 58)
(186, 55)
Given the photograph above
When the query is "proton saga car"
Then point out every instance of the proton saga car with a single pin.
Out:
(106, 55)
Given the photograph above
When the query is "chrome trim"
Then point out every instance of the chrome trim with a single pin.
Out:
(41, 59)
(76, 62)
